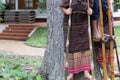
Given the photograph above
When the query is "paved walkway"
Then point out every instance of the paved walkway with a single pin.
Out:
(117, 23)
(19, 48)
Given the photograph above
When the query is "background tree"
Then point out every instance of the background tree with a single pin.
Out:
(1, 6)
(42, 6)
(52, 66)
(116, 4)
(1, 9)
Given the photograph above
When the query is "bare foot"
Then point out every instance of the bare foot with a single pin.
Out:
(116, 73)
(87, 75)
(109, 72)
(70, 76)
(96, 30)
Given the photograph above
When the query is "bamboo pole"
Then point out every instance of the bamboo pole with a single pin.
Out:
(103, 44)
(67, 42)
(90, 43)
(111, 42)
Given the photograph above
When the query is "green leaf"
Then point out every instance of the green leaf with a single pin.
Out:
(5, 75)
(38, 77)
(1, 76)
(14, 72)
(1, 19)
(16, 67)
(11, 79)
(17, 78)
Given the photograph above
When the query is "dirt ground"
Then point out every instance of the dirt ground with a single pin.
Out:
(19, 48)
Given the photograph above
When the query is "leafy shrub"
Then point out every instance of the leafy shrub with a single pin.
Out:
(42, 6)
(1, 19)
(2, 7)
(116, 4)
(16, 73)
(19, 67)
(38, 77)
(12, 73)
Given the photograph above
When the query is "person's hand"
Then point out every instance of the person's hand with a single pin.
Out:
(89, 11)
(68, 11)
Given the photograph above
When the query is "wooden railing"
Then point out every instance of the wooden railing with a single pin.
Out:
(19, 16)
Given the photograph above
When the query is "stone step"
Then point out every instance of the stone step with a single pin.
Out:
(13, 38)
(22, 25)
(20, 28)
(16, 31)
(14, 34)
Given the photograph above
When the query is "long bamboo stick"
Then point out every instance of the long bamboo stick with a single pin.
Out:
(90, 42)
(67, 43)
(111, 42)
(103, 44)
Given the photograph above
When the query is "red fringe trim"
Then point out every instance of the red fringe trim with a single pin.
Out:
(100, 59)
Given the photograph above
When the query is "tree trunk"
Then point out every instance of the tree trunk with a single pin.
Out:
(52, 66)
(97, 71)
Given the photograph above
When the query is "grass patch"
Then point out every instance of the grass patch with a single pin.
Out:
(14, 67)
(38, 38)
(117, 33)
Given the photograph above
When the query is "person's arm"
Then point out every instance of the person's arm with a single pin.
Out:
(67, 11)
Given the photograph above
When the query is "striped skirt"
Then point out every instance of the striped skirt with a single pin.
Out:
(79, 61)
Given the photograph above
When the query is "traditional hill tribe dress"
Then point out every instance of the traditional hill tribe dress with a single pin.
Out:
(79, 54)
(105, 25)
(107, 44)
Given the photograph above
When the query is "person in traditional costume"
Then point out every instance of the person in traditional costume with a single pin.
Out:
(95, 16)
(79, 52)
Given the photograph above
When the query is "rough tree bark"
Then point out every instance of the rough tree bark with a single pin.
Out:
(97, 71)
(52, 66)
